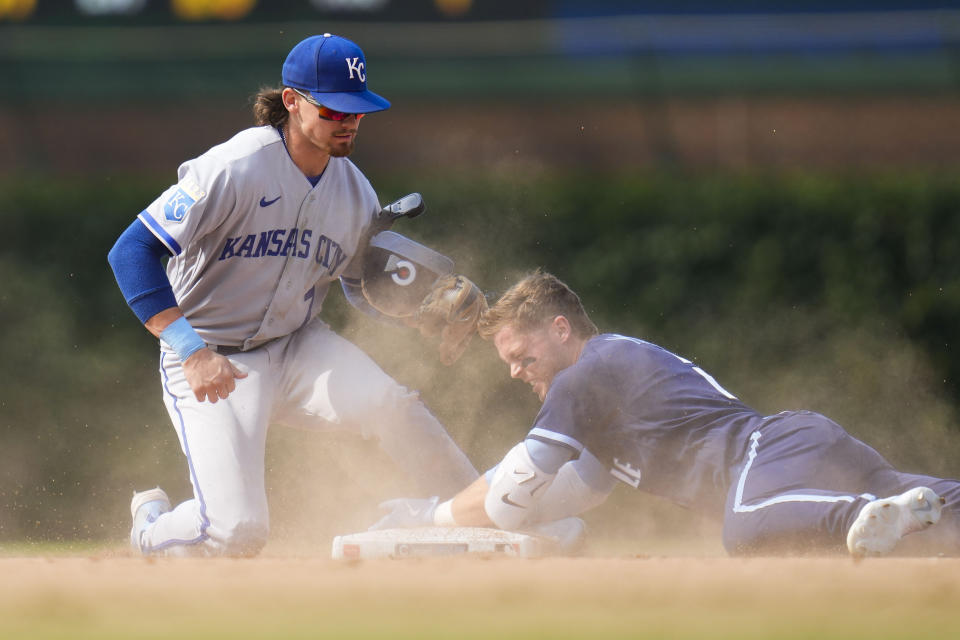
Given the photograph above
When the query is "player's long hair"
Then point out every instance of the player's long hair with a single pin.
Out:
(537, 298)
(268, 107)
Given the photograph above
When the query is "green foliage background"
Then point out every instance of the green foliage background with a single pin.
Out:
(837, 293)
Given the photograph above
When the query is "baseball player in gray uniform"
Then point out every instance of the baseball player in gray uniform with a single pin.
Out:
(256, 229)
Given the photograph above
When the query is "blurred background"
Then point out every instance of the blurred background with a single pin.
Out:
(768, 188)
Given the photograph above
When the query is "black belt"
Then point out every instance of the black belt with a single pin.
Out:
(226, 350)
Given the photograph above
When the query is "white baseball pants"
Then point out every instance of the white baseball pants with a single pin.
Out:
(311, 379)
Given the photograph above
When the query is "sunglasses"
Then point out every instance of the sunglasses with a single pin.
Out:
(327, 113)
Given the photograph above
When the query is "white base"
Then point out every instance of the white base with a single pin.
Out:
(437, 541)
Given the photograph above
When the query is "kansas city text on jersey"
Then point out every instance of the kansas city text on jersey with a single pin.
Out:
(293, 242)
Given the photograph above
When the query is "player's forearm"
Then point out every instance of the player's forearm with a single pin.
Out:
(157, 323)
(466, 508)
(176, 332)
(210, 375)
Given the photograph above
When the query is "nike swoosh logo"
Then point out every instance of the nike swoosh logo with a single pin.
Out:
(526, 476)
(506, 499)
(266, 203)
(533, 492)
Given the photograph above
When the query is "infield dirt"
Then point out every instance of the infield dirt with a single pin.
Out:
(116, 596)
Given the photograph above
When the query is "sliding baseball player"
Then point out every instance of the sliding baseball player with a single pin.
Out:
(622, 411)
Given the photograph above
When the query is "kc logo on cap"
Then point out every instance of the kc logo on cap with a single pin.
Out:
(356, 65)
(333, 70)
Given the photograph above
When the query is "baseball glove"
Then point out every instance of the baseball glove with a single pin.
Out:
(451, 310)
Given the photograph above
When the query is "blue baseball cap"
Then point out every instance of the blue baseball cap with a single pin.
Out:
(334, 72)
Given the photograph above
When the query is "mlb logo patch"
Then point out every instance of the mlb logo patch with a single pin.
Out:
(186, 195)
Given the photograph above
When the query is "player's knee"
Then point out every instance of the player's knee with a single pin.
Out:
(737, 544)
(747, 539)
(389, 405)
(390, 395)
(245, 539)
(378, 397)
(743, 536)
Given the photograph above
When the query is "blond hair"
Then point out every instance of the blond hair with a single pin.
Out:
(537, 298)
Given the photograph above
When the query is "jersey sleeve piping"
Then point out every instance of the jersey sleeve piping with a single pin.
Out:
(172, 245)
(545, 435)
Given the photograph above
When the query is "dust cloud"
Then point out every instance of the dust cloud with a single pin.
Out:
(322, 484)
(873, 382)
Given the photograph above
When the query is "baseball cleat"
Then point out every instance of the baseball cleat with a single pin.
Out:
(145, 507)
(882, 523)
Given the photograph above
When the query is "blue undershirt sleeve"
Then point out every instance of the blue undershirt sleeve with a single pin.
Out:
(136, 262)
(548, 456)
(594, 473)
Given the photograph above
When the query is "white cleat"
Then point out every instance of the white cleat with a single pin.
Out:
(882, 523)
(145, 507)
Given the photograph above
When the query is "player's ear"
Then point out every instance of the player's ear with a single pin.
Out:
(289, 97)
(561, 328)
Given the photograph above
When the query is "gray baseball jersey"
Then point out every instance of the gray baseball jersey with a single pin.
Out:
(255, 246)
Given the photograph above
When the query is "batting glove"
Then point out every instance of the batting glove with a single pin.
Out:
(407, 513)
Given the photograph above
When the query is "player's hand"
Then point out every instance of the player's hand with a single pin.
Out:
(407, 513)
(211, 375)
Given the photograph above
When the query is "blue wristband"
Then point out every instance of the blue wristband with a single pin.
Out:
(182, 338)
